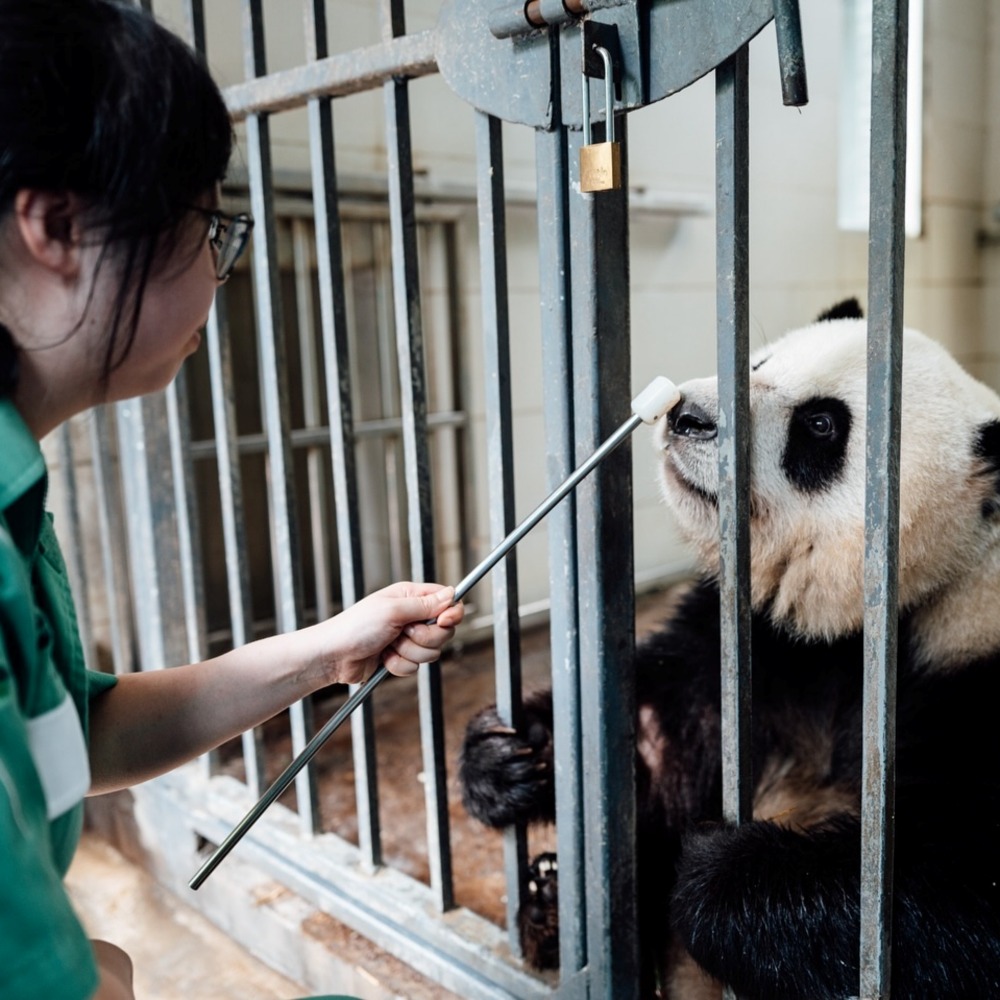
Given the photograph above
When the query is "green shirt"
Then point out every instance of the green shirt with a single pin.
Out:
(44, 697)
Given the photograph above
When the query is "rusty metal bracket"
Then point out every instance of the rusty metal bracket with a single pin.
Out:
(520, 61)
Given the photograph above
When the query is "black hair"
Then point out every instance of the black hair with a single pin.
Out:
(99, 100)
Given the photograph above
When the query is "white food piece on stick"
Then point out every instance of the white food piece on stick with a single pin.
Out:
(659, 397)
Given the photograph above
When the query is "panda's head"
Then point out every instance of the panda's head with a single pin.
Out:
(807, 498)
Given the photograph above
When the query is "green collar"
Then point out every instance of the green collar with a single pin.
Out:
(23, 478)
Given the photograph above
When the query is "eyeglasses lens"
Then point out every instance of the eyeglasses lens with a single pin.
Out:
(230, 239)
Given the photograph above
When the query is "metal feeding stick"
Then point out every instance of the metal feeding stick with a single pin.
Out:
(655, 400)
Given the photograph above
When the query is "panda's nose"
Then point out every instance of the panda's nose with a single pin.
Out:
(688, 419)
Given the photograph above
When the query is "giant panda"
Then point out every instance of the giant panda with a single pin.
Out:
(771, 908)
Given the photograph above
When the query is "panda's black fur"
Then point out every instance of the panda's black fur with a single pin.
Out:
(771, 908)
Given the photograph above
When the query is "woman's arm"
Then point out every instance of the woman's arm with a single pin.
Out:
(151, 722)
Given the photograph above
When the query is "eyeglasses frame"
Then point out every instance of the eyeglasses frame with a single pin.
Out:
(219, 224)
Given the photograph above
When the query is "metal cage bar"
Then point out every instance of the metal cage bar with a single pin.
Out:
(110, 525)
(230, 478)
(554, 254)
(285, 552)
(410, 348)
(179, 433)
(189, 550)
(321, 541)
(890, 25)
(333, 318)
(606, 615)
(732, 312)
(500, 470)
(75, 562)
(151, 529)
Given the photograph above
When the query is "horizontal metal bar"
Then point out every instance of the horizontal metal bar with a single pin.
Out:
(336, 76)
(313, 437)
(364, 197)
(465, 953)
(519, 17)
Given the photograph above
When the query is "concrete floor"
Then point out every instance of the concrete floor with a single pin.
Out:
(176, 953)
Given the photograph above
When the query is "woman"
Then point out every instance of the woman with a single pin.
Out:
(113, 143)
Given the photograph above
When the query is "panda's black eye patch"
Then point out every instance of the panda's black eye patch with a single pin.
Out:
(816, 446)
(986, 447)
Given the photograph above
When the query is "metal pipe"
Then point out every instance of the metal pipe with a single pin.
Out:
(658, 397)
(520, 17)
(791, 55)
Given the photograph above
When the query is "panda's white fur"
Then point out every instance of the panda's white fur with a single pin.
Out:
(806, 553)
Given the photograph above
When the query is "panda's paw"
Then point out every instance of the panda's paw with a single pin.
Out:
(506, 774)
(538, 919)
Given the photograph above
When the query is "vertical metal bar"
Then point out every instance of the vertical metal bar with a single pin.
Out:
(732, 308)
(791, 55)
(393, 456)
(75, 561)
(732, 318)
(185, 499)
(602, 391)
(223, 387)
(554, 258)
(188, 534)
(230, 480)
(885, 357)
(409, 341)
(111, 528)
(186, 506)
(194, 25)
(274, 389)
(439, 248)
(315, 473)
(500, 468)
(333, 319)
(152, 531)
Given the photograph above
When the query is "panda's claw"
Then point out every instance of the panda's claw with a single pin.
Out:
(538, 919)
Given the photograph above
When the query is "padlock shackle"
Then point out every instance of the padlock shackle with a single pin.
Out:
(609, 99)
(609, 93)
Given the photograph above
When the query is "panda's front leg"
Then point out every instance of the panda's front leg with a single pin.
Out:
(506, 774)
(770, 911)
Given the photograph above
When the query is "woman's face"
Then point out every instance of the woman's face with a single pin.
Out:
(175, 307)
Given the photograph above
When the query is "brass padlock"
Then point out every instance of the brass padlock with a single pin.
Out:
(600, 162)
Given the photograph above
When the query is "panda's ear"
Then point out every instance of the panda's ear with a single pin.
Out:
(987, 449)
(848, 309)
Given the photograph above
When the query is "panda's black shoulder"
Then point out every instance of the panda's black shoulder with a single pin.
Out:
(691, 626)
(687, 649)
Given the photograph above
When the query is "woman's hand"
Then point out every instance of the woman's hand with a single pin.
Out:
(153, 720)
(403, 625)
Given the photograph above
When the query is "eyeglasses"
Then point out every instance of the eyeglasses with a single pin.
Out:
(228, 235)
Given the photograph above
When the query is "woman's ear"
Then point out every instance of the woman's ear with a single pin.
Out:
(49, 225)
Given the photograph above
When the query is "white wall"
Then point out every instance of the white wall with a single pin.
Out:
(800, 262)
